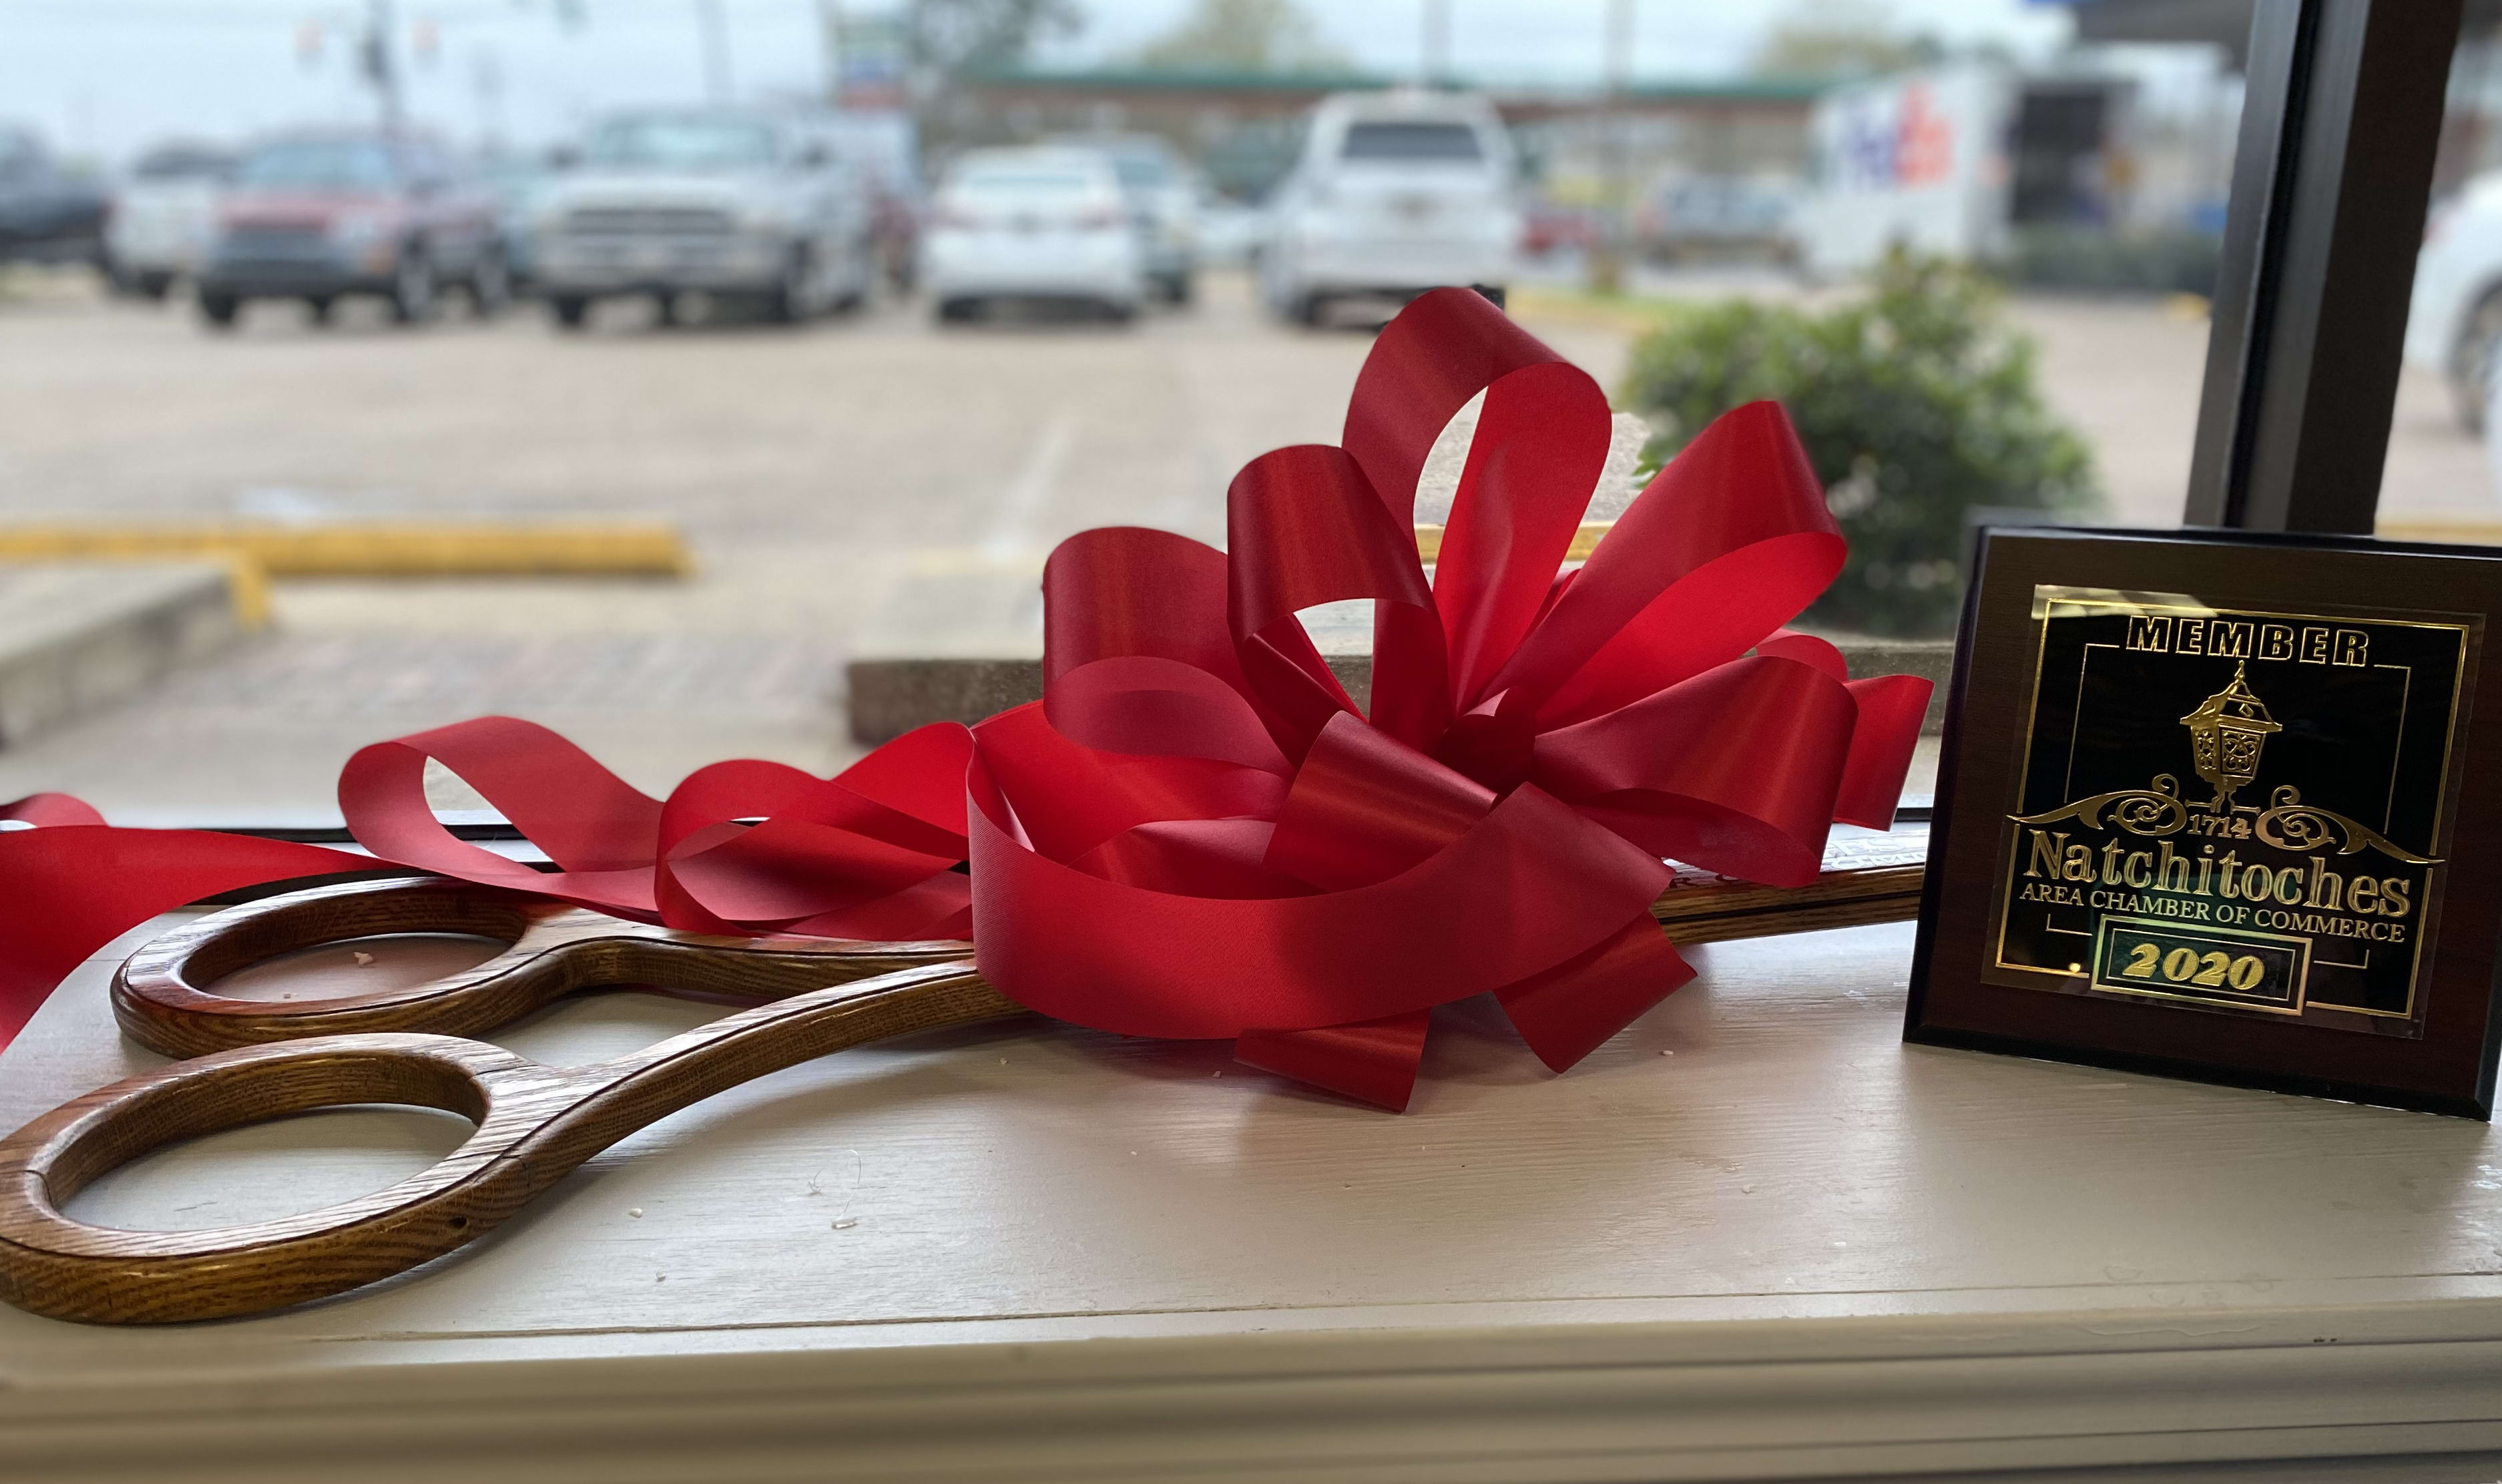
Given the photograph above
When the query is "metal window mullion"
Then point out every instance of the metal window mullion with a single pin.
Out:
(2340, 126)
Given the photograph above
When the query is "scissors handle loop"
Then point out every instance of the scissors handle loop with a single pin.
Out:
(165, 997)
(535, 1125)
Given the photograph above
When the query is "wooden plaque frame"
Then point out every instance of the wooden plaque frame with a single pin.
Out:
(2097, 802)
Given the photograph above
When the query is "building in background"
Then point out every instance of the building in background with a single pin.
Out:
(1245, 127)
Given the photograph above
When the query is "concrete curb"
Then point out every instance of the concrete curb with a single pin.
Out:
(76, 636)
(892, 694)
(959, 637)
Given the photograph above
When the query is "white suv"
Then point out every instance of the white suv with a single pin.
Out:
(1395, 193)
(2454, 325)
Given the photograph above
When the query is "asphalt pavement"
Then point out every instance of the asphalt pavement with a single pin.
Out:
(809, 469)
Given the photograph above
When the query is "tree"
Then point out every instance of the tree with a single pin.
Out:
(1841, 37)
(954, 36)
(1245, 36)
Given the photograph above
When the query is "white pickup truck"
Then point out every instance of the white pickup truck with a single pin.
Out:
(721, 202)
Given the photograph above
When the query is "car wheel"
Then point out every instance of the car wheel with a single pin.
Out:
(320, 309)
(958, 311)
(788, 302)
(2471, 364)
(1311, 310)
(1120, 312)
(1180, 289)
(412, 287)
(219, 310)
(571, 310)
(490, 286)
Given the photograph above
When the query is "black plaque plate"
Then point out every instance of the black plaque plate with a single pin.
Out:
(2208, 806)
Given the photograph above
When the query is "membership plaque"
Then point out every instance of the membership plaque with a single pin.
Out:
(2208, 807)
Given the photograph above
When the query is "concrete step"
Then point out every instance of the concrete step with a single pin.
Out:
(76, 636)
(960, 638)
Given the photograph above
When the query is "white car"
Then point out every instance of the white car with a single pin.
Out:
(2454, 325)
(1031, 223)
(1231, 232)
(164, 214)
(1395, 192)
(1163, 205)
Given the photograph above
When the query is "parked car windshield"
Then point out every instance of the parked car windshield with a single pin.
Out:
(681, 144)
(327, 163)
(1140, 170)
(1411, 142)
(1003, 179)
(181, 164)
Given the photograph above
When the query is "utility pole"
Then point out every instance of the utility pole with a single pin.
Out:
(716, 50)
(1607, 261)
(486, 80)
(1435, 47)
(379, 56)
(830, 25)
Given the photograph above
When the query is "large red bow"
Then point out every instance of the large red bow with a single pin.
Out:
(1197, 833)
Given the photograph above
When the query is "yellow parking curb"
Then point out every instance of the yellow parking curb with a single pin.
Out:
(2446, 532)
(1585, 540)
(374, 549)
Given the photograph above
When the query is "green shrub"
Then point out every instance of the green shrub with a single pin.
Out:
(1915, 405)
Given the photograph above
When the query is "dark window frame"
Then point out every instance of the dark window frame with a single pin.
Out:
(2334, 179)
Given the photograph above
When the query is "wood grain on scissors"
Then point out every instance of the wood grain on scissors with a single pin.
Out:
(163, 999)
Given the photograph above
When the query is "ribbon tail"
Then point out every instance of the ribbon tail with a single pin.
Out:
(65, 891)
(1371, 1060)
(1891, 708)
(1569, 1011)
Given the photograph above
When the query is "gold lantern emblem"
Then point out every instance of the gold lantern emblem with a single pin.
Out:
(2225, 735)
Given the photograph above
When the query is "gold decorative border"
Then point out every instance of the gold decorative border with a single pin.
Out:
(2047, 598)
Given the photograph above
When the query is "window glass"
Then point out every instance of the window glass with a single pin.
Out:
(183, 164)
(1141, 172)
(323, 163)
(2444, 475)
(681, 144)
(660, 439)
(1411, 142)
(1015, 177)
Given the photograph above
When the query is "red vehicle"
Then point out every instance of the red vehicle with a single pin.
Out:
(1547, 227)
(319, 215)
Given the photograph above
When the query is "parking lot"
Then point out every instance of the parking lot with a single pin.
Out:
(809, 468)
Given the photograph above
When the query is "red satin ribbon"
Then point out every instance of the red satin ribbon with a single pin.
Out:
(1197, 832)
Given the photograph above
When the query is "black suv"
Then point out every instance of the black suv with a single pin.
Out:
(47, 214)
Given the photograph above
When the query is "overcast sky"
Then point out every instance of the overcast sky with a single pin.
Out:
(107, 77)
